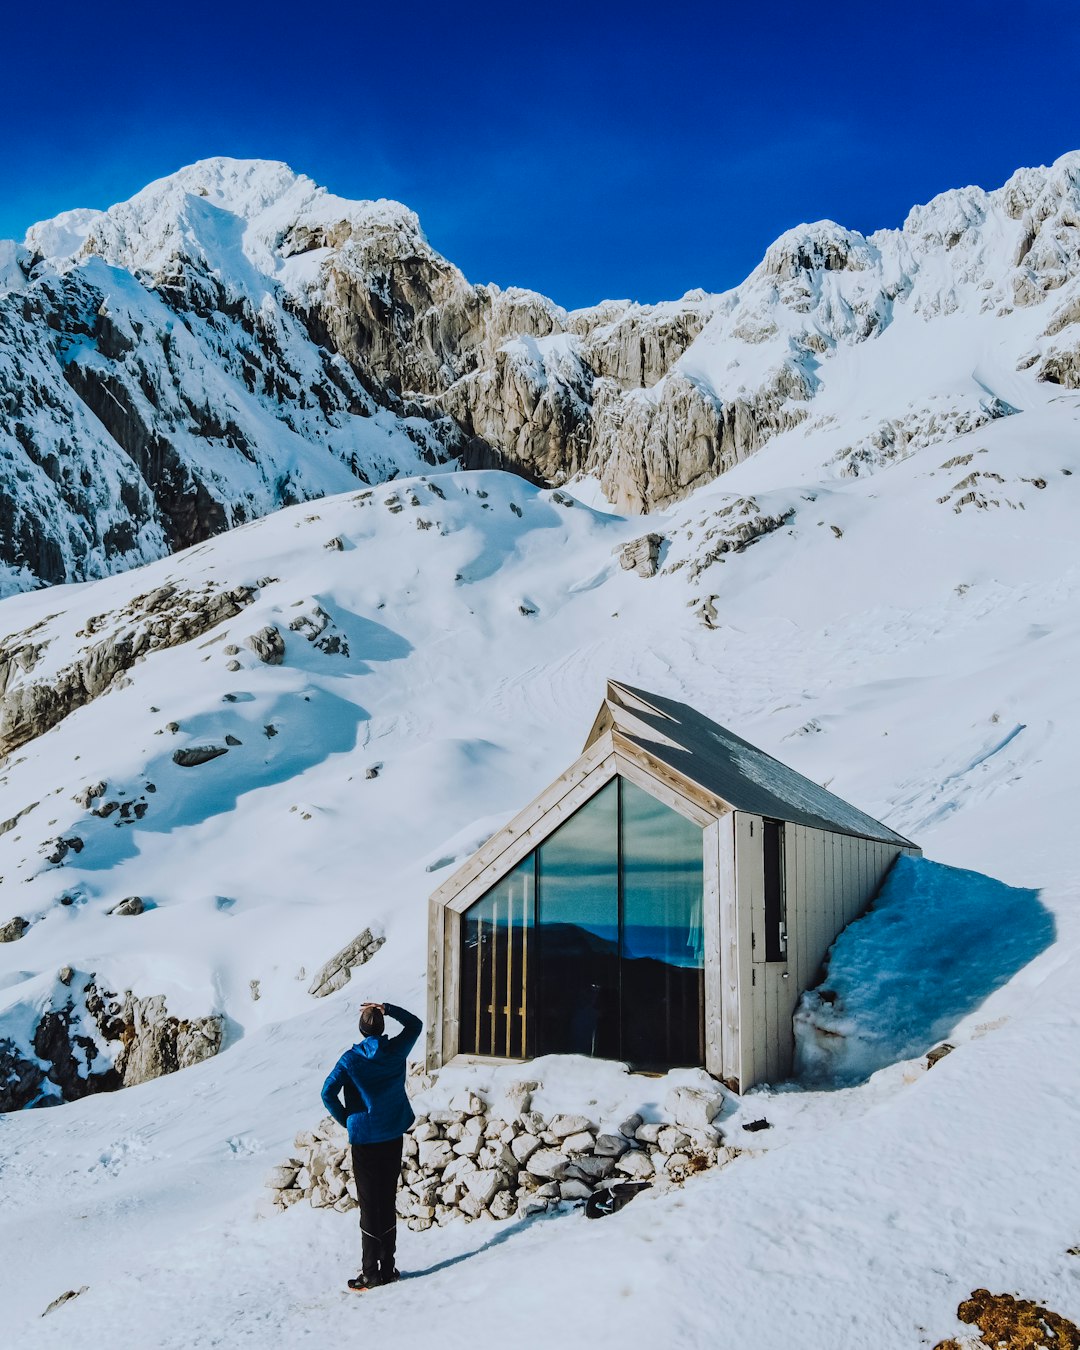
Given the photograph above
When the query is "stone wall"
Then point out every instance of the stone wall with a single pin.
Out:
(465, 1161)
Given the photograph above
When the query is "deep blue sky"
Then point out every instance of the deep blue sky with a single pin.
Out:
(586, 150)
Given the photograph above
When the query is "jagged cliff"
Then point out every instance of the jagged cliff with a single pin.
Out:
(235, 338)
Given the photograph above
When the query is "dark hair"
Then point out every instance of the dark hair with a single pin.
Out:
(372, 1022)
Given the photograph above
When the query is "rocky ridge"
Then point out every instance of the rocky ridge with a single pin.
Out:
(234, 338)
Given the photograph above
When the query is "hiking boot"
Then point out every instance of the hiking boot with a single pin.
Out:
(392, 1278)
(361, 1284)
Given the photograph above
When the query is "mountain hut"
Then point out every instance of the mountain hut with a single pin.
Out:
(664, 902)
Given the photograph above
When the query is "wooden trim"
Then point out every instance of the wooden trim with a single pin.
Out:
(730, 1045)
(708, 802)
(751, 978)
(451, 983)
(486, 1061)
(710, 919)
(434, 1055)
(644, 777)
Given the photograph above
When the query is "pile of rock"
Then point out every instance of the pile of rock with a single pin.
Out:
(465, 1161)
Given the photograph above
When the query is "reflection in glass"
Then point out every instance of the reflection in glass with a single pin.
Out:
(662, 973)
(593, 944)
(496, 934)
(578, 933)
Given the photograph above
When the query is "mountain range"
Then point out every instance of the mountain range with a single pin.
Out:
(235, 338)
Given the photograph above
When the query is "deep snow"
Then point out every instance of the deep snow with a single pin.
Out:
(919, 663)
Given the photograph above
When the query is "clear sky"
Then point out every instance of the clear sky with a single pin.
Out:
(584, 149)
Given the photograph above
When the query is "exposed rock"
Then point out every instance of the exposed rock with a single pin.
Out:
(939, 1052)
(564, 1125)
(162, 618)
(65, 1297)
(548, 1163)
(9, 824)
(611, 1145)
(13, 929)
(268, 645)
(641, 555)
(337, 971)
(132, 905)
(694, 1108)
(20, 1079)
(156, 1043)
(636, 1165)
(192, 755)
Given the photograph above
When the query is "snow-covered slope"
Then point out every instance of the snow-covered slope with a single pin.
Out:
(235, 338)
(905, 637)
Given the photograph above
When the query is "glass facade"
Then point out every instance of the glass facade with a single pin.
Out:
(593, 944)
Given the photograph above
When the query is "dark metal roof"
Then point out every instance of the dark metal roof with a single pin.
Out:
(705, 753)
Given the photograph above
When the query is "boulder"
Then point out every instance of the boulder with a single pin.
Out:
(482, 1185)
(503, 1205)
(572, 1189)
(193, 755)
(268, 645)
(672, 1140)
(338, 970)
(636, 1165)
(561, 1126)
(435, 1154)
(524, 1146)
(610, 1145)
(631, 1125)
(641, 555)
(694, 1108)
(132, 905)
(282, 1177)
(591, 1169)
(13, 929)
(578, 1143)
(548, 1163)
(470, 1103)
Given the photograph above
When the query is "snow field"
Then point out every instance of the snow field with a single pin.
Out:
(919, 664)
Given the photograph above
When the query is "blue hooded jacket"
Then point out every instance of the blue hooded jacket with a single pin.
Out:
(371, 1076)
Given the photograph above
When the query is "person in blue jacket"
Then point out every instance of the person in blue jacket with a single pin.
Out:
(365, 1092)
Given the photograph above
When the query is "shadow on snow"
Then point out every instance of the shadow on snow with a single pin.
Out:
(936, 944)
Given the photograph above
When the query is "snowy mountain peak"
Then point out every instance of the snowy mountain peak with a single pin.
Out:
(235, 337)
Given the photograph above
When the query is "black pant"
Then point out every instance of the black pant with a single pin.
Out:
(376, 1169)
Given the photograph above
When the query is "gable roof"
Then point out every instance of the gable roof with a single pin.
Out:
(723, 764)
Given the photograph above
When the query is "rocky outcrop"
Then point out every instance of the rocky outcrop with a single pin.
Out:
(162, 618)
(730, 529)
(338, 970)
(463, 1161)
(96, 1041)
(155, 1043)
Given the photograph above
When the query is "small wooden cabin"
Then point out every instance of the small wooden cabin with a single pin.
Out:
(664, 902)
